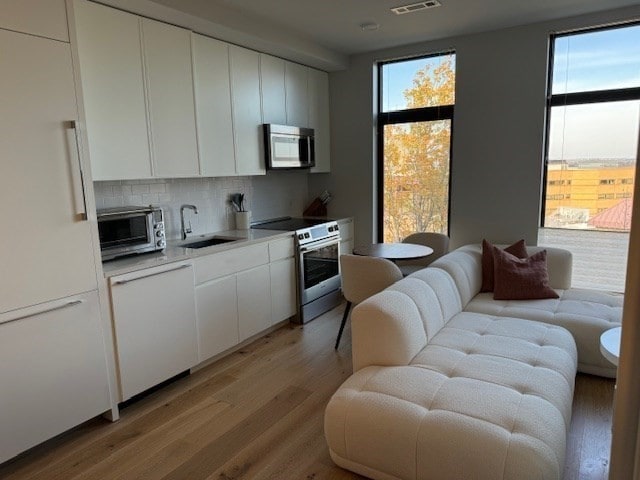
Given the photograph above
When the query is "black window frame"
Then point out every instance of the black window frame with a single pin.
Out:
(411, 115)
(576, 98)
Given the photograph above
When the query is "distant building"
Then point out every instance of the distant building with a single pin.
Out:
(578, 190)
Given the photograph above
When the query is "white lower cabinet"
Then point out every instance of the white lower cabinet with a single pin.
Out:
(346, 235)
(284, 281)
(53, 371)
(217, 313)
(243, 292)
(155, 325)
(254, 301)
(283, 290)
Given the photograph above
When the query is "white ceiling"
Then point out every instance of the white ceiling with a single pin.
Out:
(335, 24)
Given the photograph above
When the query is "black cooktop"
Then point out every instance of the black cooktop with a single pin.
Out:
(289, 224)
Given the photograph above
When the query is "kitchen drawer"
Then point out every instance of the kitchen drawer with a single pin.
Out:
(281, 248)
(231, 261)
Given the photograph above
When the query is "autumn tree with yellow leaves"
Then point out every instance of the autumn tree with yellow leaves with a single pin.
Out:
(416, 160)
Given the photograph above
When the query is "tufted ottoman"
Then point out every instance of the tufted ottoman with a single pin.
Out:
(440, 393)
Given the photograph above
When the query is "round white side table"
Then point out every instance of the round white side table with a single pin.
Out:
(610, 344)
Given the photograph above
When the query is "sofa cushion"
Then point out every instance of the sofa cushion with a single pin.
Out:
(463, 265)
(392, 326)
(518, 249)
(487, 398)
(559, 264)
(521, 278)
(585, 313)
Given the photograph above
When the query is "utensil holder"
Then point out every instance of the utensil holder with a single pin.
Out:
(243, 220)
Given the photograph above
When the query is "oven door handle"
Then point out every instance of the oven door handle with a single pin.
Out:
(316, 246)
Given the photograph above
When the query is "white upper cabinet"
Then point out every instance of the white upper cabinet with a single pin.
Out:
(296, 80)
(162, 101)
(47, 250)
(167, 54)
(319, 118)
(113, 89)
(213, 106)
(247, 113)
(273, 90)
(45, 18)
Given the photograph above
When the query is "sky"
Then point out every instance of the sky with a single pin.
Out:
(398, 77)
(597, 60)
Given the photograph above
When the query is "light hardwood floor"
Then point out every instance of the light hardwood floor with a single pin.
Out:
(258, 414)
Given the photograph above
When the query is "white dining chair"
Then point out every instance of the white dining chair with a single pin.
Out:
(363, 277)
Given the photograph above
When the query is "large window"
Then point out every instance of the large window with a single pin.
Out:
(593, 118)
(414, 143)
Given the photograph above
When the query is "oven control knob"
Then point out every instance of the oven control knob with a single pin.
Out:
(300, 237)
(330, 229)
(160, 243)
(306, 235)
(160, 233)
(336, 227)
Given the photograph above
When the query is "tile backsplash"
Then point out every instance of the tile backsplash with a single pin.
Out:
(275, 194)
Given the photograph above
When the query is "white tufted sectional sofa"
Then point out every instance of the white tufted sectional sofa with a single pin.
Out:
(449, 384)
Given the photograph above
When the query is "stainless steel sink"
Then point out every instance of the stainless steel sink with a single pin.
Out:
(208, 242)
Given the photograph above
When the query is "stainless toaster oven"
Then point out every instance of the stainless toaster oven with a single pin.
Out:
(130, 230)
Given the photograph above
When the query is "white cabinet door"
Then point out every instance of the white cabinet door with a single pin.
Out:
(213, 106)
(254, 301)
(319, 119)
(113, 90)
(217, 313)
(167, 54)
(296, 90)
(346, 235)
(155, 325)
(46, 249)
(53, 371)
(45, 18)
(247, 113)
(273, 90)
(283, 289)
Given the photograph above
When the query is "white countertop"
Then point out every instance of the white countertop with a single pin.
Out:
(175, 252)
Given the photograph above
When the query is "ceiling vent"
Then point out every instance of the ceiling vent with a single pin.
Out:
(415, 7)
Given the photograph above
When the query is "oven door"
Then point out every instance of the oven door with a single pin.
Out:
(319, 269)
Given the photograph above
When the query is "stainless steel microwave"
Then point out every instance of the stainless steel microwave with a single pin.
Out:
(129, 230)
(288, 147)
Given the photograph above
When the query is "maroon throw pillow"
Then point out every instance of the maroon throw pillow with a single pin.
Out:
(519, 249)
(521, 278)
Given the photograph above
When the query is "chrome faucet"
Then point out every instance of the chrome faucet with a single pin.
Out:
(186, 230)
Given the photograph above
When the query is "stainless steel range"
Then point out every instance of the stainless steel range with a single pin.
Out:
(317, 263)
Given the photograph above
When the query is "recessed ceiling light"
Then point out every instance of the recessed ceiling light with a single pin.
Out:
(369, 26)
(415, 7)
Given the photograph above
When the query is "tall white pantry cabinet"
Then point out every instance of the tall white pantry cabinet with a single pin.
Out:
(53, 364)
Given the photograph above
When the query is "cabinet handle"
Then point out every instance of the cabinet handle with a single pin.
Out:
(123, 282)
(77, 173)
(317, 246)
(52, 309)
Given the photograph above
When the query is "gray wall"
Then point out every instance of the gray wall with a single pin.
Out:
(498, 131)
